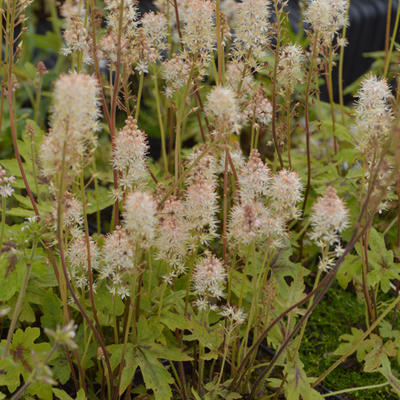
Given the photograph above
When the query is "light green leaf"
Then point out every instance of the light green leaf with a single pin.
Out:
(386, 371)
(174, 321)
(341, 131)
(155, 375)
(130, 362)
(49, 41)
(350, 268)
(62, 395)
(196, 395)
(11, 374)
(171, 352)
(298, 384)
(350, 340)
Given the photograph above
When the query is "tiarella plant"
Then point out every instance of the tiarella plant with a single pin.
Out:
(192, 275)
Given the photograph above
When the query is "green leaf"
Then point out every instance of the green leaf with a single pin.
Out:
(20, 361)
(41, 390)
(341, 131)
(24, 200)
(52, 310)
(196, 395)
(49, 41)
(148, 330)
(386, 371)
(349, 155)
(105, 306)
(381, 261)
(20, 212)
(60, 368)
(30, 71)
(155, 375)
(104, 200)
(171, 353)
(289, 294)
(10, 375)
(130, 362)
(62, 395)
(239, 280)
(210, 339)
(378, 349)
(350, 268)
(174, 321)
(11, 275)
(350, 340)
(298, 384)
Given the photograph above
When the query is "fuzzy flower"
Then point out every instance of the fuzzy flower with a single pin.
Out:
(235, 315)
(223, 110)
(206, 167)
(73, 214)
(73, 121)
(142, 53)
(140, 217)
(6, 190)
(237, 157)
(326, 263)
(329, 218)
(254, 178)
(209, 278)
(382, 189)
(129, 17)
(326, 18)
(77, 258)
(251, 222)
(175, 72)
(129, 155)
(374, 116)
(290, 68)
(156, 32)
(201, 207)
(199, 31)
(259, 109)
(240, 80)
(285, 192)
(77, 38)
(173, 235)
(251, 26)
(117, 262)
(64, 336)
(228, 7)
(22, 5)
(108, 47)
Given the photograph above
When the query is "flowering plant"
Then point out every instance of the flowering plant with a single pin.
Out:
(179, 272)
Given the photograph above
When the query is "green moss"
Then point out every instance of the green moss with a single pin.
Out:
(334, 316)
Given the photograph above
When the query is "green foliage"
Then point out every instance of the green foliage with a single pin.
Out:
(24, 353)
(92, 310)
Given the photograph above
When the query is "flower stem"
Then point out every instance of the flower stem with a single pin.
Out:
(160, 121)
(356, 389)
(3, 220)
(394, 35)
(20, 300)
(139, 95)
(307, 120)
(341, 65)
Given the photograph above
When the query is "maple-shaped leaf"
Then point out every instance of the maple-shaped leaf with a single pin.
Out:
(373, 358)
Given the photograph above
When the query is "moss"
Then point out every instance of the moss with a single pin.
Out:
(334, 316)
